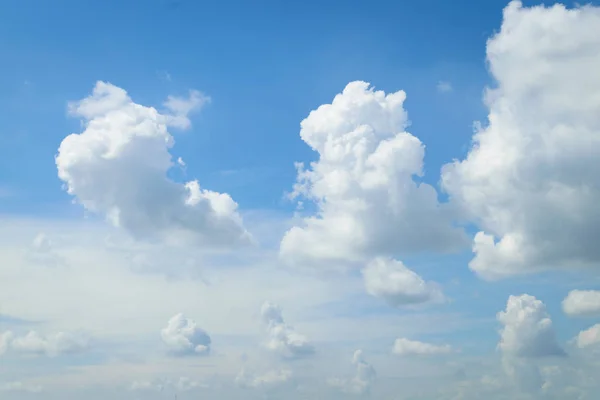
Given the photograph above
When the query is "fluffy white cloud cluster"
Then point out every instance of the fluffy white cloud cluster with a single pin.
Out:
(281, 337)
(399, 286)
(362, 184)
(530, 181)
(361, 382)
(582, 303)
(528, 330)
(406, 347)
(184, 337)
(268, 380)
(589, 337)
(118, 167)
(35, 343)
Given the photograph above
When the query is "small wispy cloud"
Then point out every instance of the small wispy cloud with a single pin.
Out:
(164, 75)
(444, 87)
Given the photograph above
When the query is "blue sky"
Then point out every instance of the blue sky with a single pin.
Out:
(264, 67)
(375, 253)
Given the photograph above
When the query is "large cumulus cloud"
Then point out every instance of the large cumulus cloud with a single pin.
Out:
(530, 181)
(367, 201)
(118, 167)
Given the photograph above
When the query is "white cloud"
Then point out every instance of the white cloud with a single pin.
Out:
(181, 384)
(183, 337)
(362, 184)
(147, 385)
(235, 285)
(582, 303)
(42, 243)
(527, 329)
(5, 339)
(117, 167)
(180, 108)
(524, 374)
(392, 281)
(444, 87)
(530, 180)
(268, 380)
(406, 347)
(363, 379)
(281, 337)
(18, 386)
(42, 252)
(589, 337)
(51, 345)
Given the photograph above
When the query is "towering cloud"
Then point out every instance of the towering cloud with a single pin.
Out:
(530, 180)
(362, 184)
(361, 382)
(527, 335)
(281, 337)
(527, 329)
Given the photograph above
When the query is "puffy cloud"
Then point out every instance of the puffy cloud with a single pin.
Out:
(406, 347)
(362, 381)
(528, 330)
(183, 337)
(281, 337)
(589, 337)
(268, 380)
(362, 184)
(118, 167)
(582, 303)
(397, 285)
(18, 386)
(51, 345)
(530, 179)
